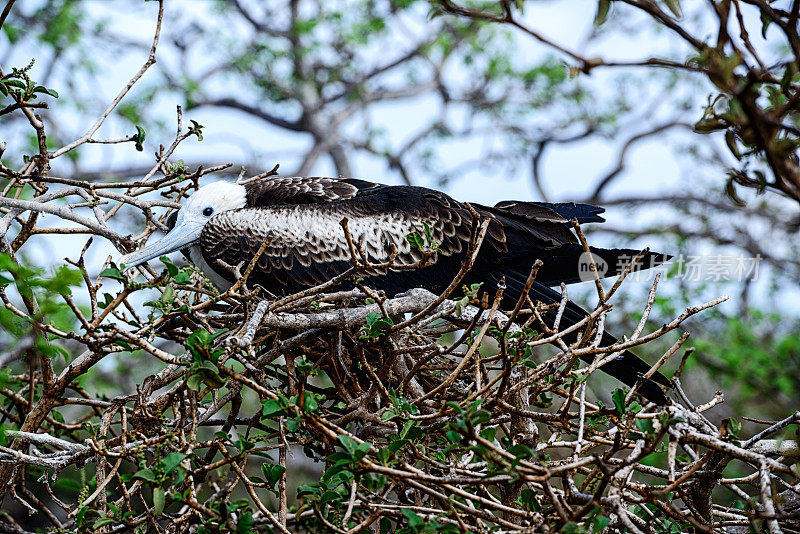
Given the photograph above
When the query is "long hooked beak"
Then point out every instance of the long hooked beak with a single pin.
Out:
(180, 236)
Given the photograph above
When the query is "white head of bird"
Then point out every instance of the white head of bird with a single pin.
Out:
(209, 200)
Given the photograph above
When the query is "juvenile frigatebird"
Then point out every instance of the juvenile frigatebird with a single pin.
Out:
(224, 223)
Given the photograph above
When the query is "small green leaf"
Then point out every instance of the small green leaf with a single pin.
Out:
(139, 138)
(81, 513)
(520, 451)
(245, 523)
(734, 427)
(172, 461)
(413, 519)
(196, 129)
(529, 501)
(766, 20)
(310, 402)
(125, 345)
(172, 269)
(675, 7)
(146, 474)
(112, 272)
(103, 522)
(272, 474)
(158, 500)
(348, 443)
(619, 400)
(293, 424)
(645, 425)
(415, 240)
(600, 523)
(730, 190)
(271, 408)
(194, 382)
(41, 89)
(16, 83)
(182, 278)
(603, 7)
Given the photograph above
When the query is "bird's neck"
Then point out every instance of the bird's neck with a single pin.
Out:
(200, 262)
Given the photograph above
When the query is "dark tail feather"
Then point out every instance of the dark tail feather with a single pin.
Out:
(627, 368)
(569, 264)
(546, 211)
(585, 213)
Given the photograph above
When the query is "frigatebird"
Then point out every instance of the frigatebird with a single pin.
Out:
(225, 224)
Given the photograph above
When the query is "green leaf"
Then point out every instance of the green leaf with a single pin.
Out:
(196, 129)
(113, 272)
(415, 240)
(293, 424)
(81, 513)
(272, 474)
(41, 89)
(730, 140)
(413, 519)
(675, 7)
(146, 474)
(271, 408)
(734, 426)
(619, 400)
(603, 7)
(158, 500)
(172, 269)
(172, 461)
(384, 455)
(194, 382)
(307, 489)
(520, 451)
(310, 402)
(16, 83)
(125, 345)
(329, 496)
(600, 523)
(529, 501)
(730, 191)
(103, 522)
(766, 20)
(139, 138)
(245, 523)
(645, 425)
(375, 326)
(349, 444)
(182, 278)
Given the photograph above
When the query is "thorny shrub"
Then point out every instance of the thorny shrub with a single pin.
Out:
(157, 403)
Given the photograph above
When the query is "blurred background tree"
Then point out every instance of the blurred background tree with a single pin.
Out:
(487, 100)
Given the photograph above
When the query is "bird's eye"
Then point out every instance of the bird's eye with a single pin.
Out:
(208, 212)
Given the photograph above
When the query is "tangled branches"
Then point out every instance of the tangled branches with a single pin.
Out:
(420, 413)
(415, 423)
(199, 411)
